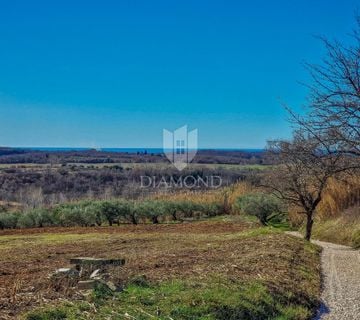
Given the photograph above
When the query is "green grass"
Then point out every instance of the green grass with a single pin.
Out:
(217, 298)
(281, 225)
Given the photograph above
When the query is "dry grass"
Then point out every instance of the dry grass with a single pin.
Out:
(233, 249)
(343, 229)
(340, 196)
(226, 195)
(338, 215)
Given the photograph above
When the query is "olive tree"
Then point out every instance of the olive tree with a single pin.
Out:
(265, 207)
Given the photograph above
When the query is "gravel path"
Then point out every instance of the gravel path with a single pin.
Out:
(341, 282)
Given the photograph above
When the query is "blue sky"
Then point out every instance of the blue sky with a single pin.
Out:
(115, 73)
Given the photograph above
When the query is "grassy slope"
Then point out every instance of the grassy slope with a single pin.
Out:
(342, 230)
(203, 270)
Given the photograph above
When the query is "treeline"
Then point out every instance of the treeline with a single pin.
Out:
(13, 155)
(98, 213)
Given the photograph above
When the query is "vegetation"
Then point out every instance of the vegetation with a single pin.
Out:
(97, 213)
(217, 299)
(344, 229)
(334, 104)
(265, 207)
(91, 156)
(226, 266)
(326, 141)
(45, 185)
(315, 173)
(305, 171)
(220, 268)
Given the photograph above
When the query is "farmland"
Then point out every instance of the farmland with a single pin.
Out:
(197, 253)
(208, 269)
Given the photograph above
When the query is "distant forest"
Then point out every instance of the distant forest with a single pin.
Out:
(40, 178)
(15, 155)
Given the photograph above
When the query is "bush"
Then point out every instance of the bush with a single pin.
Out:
(189, 208)
(91, 213)
(77, 214)
(109, 210)
(263, 206)
(8, 220)
(36, 218)
(131, 214)
(151, 209)
(212, 209)
(172, 209)
(116, 210)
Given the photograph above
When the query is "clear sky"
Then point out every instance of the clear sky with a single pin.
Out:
(115, 73)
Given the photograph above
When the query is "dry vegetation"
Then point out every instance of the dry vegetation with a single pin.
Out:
(339, 196)
(231, 249)
(226, 197)
(338, 214)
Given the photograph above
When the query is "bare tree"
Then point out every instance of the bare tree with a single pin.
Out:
(335, 96)
(328, 138)
(31, 197)
(304, 171)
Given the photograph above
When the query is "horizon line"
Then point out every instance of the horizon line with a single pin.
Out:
(102, 148)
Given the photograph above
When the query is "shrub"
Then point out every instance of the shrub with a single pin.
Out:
(263, 206)
(126, 211)
(189, 208)
(151, 209)
(36, 218)
(109, 210)
(131, 215)
(115, 210)
(26, 221)
(77, 214)
(8, 220)
(91, 213)
(172, 209)
(212, 209)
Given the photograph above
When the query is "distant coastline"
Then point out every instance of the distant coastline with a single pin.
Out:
(127, 150)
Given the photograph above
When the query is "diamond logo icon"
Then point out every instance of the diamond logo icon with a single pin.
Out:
(180, 146)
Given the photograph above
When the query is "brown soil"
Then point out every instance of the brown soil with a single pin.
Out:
(158, 252)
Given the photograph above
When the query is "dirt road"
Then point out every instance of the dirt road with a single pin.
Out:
(341, 282)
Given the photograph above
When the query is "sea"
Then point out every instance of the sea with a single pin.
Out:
(129, 150)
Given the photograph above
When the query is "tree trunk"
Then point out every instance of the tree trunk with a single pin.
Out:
(309, 224)
(133, 219)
